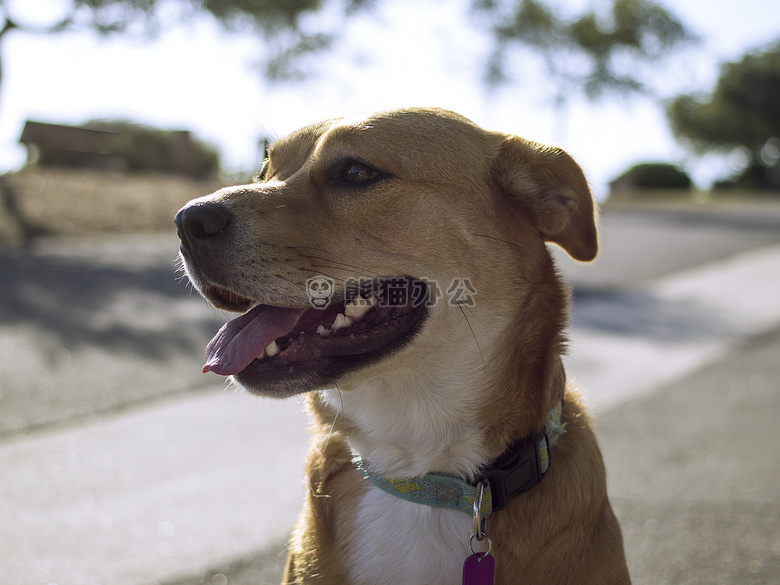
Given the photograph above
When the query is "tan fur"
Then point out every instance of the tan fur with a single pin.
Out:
(461, 202)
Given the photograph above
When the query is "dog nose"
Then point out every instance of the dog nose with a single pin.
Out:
(201, 222)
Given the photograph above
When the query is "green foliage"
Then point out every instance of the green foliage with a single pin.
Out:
(276, 20)
(756, 177)
(119, 16)
(647, 176)
(743, 110)
(284, 65)
(593, 51)
(264, 14)
(632, 30)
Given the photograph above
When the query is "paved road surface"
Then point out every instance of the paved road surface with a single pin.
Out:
(122, 464)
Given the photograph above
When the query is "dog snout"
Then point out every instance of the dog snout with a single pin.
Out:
(201, 223)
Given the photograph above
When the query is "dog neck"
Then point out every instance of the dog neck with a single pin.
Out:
(517, 471)
(410, 424)
(457, 414)
(406, 425)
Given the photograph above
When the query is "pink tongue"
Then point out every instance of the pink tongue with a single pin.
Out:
(241, 340)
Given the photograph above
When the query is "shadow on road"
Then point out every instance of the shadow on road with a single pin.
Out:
(635, 313)
(75, 302)
(88, 328)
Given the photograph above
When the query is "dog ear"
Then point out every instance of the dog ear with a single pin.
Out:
(553, 186)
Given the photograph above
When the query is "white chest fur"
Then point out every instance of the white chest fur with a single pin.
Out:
(406, 426)
(397, 541)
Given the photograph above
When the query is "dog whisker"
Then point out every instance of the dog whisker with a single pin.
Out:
(475, 316)
(507, 242)
(336, 264)
(335, 417)
(476, 341)
(292, 282)
(321, 273)
(330, 260)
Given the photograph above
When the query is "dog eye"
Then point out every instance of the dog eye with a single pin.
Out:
(358, 173)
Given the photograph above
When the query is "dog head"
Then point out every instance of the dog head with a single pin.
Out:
(431, 230)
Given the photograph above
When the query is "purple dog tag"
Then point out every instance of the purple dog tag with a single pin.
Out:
(478, 569)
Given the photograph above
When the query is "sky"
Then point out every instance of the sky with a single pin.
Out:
(196, 76)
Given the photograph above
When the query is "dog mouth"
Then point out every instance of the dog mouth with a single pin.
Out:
(270, 347)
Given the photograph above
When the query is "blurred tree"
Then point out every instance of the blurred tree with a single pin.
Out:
(592, 52)
(652, 176)
(743, 111)
(272, 18)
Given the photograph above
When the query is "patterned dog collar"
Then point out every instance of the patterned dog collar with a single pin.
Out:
(518, 470)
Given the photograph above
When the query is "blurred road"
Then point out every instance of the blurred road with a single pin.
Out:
(122, 464)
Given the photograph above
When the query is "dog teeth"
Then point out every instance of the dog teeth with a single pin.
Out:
(356, 308)
(272, 349)
(341, 322)
(354, 311)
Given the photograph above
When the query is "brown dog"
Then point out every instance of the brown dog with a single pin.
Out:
(394, 267)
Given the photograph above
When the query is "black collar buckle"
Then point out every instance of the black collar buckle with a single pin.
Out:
(517, 470)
